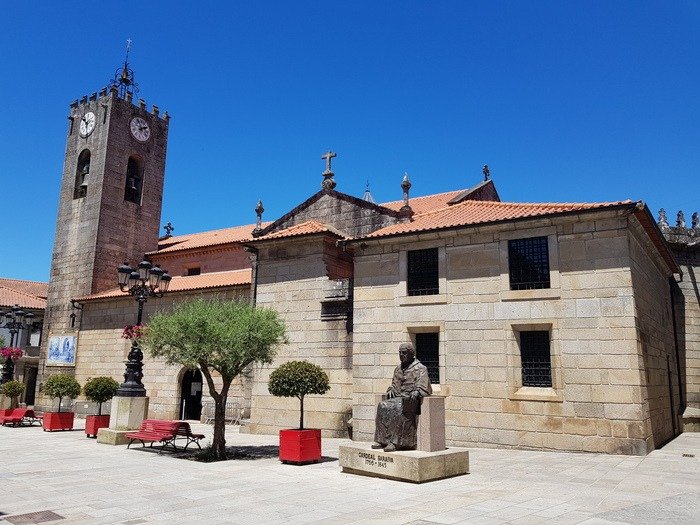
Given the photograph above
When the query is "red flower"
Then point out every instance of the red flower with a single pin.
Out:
(133, 331)
(9, 352)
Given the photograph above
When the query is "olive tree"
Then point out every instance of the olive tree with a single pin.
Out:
(217, 337)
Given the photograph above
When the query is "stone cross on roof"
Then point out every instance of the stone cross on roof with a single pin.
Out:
(328, 156)
(328, 182)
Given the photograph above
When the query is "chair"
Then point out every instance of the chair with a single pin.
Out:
(208, 412)
(234, 411)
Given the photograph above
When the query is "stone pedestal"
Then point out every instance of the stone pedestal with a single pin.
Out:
(430, 424)
(4, 402)
(126, 416)
(405, 465)
(691, 419)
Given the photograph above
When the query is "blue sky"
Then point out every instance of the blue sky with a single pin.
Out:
(565, 101)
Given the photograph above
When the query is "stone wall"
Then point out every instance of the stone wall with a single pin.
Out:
(102, 352)
(293, 279)
(350, 215)
(653, 311)
(215, 259)
(597, 399)
(684, 241)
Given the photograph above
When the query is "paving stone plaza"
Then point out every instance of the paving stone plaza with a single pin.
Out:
(63, 477)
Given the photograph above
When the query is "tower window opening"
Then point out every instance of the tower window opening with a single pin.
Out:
(82, 172)
(134, 181)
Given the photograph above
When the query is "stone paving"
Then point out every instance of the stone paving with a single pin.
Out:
(81, 481)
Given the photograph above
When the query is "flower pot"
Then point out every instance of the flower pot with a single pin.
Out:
(58, 421)
(94, 423)
(300, 446)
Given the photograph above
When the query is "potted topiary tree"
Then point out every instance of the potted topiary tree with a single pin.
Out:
(12, 389)
(297, 379)
(98, 390)
(60, 386)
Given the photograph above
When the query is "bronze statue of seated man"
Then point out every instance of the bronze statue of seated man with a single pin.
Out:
(396, 416)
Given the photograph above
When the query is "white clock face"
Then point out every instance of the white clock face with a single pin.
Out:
(87, 123)
(140, 129)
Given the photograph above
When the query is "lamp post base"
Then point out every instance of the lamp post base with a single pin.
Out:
(126, 415)
(132, 385)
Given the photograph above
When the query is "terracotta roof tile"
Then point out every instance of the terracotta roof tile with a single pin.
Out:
(471, 212)
(10, 297)
(188, 283)
(35, 288)
(426, 203)
(305, 228)
(206, 239)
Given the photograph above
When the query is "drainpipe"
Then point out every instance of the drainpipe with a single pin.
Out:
(254, 276)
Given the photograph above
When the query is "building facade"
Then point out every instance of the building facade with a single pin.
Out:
(545, 326)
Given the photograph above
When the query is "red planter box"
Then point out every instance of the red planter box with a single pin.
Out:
(5, 411)
(57, 421)
(300, 446)
(95, 423)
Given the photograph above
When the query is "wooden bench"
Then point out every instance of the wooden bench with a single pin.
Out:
(19, 416)
(164, 432)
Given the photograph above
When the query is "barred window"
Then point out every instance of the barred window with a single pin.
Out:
(422, 275)
(535, 358)
(428, 353)
(528, 263)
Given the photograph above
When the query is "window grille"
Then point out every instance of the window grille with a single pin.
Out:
(528, 261)
(535, 358)
(422, 275)
(428, 353)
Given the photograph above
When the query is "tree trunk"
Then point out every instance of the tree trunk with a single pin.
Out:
(59, 403)
(99, 409)
(218, 445)
(301, 416)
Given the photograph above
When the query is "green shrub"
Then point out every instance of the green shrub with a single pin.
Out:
(99, 390)
(297, 379)
(61, 386)
(12, 389)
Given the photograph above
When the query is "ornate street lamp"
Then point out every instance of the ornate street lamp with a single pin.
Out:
(15, 320)
(143, 282)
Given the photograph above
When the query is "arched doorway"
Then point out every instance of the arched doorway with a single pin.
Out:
(191, 395)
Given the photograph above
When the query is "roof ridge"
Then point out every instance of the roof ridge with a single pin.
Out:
(424, 196)
(25, 294)
(189, 235)
(23, 281)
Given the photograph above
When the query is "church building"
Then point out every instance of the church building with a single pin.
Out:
(552, 326)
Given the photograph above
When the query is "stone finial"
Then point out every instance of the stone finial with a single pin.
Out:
(486, 172)
(156, 110)
(680, 220)
(695, 221)
(258, 221)
(328, 182)
(663, 220)
(142, 104)
(169, 229)
(406, 212)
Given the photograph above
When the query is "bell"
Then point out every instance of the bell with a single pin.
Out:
(131, 183)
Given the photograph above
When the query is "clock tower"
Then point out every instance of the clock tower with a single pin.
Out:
(110, 200)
